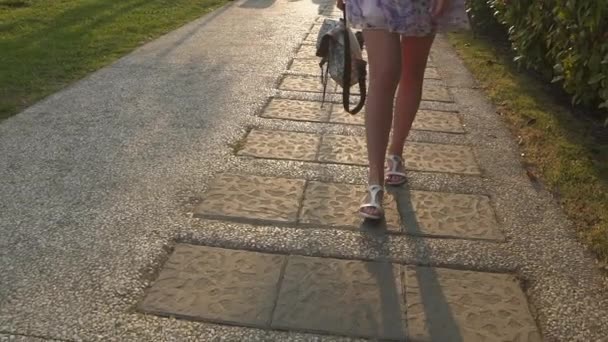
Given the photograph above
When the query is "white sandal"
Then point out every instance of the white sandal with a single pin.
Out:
(373, 203)
(391, 170)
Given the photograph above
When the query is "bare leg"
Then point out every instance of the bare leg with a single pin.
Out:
(383, 49)
(414, 55)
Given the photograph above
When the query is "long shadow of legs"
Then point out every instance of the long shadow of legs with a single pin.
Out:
(440, 322)
(389, 280)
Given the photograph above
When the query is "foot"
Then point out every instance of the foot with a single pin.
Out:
(372, 203)
(395, 171)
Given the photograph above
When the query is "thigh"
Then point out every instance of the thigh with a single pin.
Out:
(414, 55)
(383, 51)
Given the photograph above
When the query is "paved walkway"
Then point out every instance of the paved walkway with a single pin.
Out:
(196, 191)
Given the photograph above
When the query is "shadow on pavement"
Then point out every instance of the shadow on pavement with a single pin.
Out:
(440, 322)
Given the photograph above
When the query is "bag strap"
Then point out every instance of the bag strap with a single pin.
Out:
(347, 75)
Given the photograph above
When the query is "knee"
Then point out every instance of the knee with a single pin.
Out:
(384, 78)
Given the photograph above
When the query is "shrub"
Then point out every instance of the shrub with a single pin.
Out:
(566, 40)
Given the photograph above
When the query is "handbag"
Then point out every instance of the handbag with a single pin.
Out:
(340, 52)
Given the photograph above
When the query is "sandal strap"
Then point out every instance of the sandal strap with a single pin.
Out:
(373, 193)
(392, 169)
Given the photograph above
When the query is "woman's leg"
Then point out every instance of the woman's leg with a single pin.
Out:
(414, 55)
(383, 50)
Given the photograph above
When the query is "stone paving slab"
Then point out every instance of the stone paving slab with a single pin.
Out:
(306, 66)
(426, 120)
(447, 214)
(440, 158)
(281, 145)
(343, 149)
(436, 93)
(309, 51)
(288, 109)
(418, 156)
(342, 297)
(336, 205)
(252, 198)
(309, 63)
(218, 285)
(351, 150)
(450, 305)
(305, 84)
(432, 73)
(309, 83)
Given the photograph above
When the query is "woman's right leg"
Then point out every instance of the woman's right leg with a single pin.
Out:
(384, 55)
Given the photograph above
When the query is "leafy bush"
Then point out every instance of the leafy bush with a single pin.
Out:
(566, 40)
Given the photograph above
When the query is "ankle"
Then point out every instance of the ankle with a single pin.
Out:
(395, 151)
(376, 176)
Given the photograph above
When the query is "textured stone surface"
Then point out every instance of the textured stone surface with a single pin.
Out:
(427, 120)
(440, 158)
(215, 284)
(342, 297)
(306, 65)
(343, 149)
(447, 215)
(305, 84)
(308, 51)
(281, 145)
(432, 73)
(418, 156)
(331, 204)
(339, 115)
(252, 197)
(431, 120)
(450, 305)
(311, 38)
(296, 110)
(436, 93)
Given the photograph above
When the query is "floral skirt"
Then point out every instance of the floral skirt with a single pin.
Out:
(406, 17)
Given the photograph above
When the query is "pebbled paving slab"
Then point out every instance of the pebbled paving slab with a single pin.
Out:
(253, 198)
(281, 145)
(305, 84)
(336, 205)
(417, 156)
(314, 111)
(451, 305)
(351, 150)
(446, 214)
(351, 298)
(312, 84)
(296, 110)
(310, 65)
(436, 93)
(217, 285)
(305, 65)
(426, 120)
(342, 297)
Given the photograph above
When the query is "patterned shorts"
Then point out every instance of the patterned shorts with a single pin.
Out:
(406, 17)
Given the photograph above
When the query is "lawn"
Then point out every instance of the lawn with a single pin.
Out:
(48, 44)
(566, 149)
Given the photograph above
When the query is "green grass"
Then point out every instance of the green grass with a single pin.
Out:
(568, 152)
(47, 44)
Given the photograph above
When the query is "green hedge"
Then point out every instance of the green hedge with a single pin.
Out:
(566, 40)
